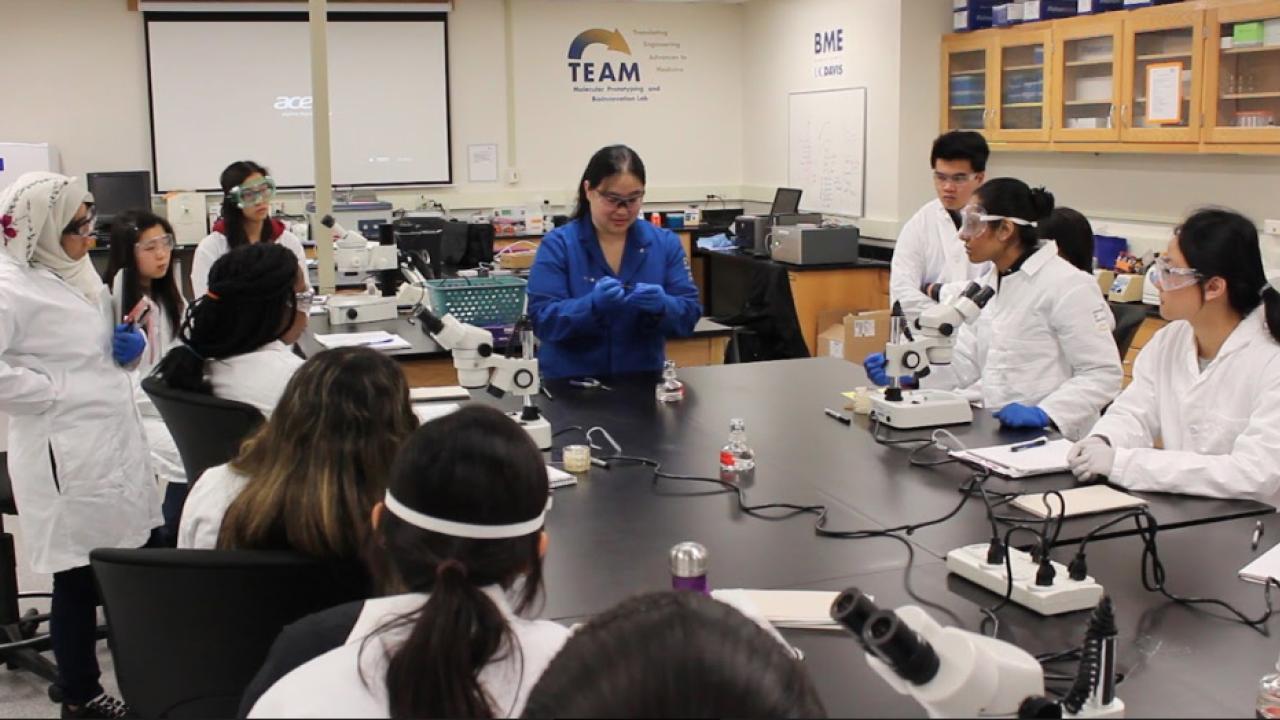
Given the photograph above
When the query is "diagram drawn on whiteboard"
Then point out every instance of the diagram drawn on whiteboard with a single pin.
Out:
(827, 150)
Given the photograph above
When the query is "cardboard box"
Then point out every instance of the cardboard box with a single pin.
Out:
(865, 333)
(831, 342)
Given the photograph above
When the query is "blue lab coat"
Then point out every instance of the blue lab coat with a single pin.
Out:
(577, 341)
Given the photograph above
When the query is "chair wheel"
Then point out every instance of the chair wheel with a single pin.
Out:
(28, 629)
(55, 694)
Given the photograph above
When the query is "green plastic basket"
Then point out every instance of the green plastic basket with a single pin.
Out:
(479, 301)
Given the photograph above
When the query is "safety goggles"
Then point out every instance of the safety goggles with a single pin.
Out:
(620, 202)
(82, 227)
(257, 192)
(956, 179)
(973, 218)
(164, 243)
(1168, 278)
(304, 300)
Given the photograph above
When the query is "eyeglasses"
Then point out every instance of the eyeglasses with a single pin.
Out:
(259, 192)
(973, 217)
(1168, 278)
(957, 179)
(305, 300)
(619, 202)
(164, 243)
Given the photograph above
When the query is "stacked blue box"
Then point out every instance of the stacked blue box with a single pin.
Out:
(1049, 9)
(1091, 7)
(972, 14)
(1133, 4)
(1006, 14)
(968, 90)
(1023, 87)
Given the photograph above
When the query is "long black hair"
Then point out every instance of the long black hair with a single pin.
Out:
(607, 162)
(251, 301)
(232, 216)
(1223, 243)
(1074, 236)
(473, 466)
(1013, 198)
(673, 654)
(126, 227)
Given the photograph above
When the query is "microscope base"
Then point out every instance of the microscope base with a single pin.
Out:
(539, 430)
(922, 409)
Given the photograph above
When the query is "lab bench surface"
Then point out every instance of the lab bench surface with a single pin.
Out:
(611, 533)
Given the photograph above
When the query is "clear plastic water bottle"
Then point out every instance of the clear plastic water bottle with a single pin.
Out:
(1269, 695)
(670, 390)
(737, 456)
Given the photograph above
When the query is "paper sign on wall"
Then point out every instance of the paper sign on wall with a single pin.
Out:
(482, 163)
(1164, 94)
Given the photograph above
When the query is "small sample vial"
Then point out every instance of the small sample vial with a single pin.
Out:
(1269, 695)
(670, 390)
(577, 458)
(689, 568)
(737, 456)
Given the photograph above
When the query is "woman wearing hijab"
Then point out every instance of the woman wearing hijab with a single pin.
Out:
(78, 457)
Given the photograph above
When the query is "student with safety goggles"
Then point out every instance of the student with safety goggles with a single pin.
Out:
(608, 289)
(1207, 385)
(248, 189)
(1041, 353)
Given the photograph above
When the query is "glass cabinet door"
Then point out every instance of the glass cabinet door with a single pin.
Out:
(965, 74)
(1242, 84)
(1087, 67)
(1022, 111)
(1161, 101)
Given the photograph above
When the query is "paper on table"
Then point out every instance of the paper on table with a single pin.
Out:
(1264, 567)
(426, 394)
(377, 339)
(804, 609)
(427, 412)
(558, 478)
(1086, 500)
(1001, 459)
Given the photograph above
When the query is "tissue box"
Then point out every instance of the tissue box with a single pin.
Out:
(1033, 10)
(972, 15)
(1090, 7)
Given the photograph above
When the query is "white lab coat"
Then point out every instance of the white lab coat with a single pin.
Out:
(77, 454)
(166, 461)
(1044, 339)
(1220, 428)
(207, 505)
(349, 681)
(215, 246)
(929, 250)
(257, 378)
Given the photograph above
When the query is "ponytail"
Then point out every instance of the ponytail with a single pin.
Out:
(1012, 198)
(1271, 306)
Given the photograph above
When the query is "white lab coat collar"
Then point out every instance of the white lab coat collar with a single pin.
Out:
(1252, 328)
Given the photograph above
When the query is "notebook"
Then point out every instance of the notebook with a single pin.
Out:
(795, 609)
(432, 394)
(1046, 459)
(427, 412)
(378, 340)
(1085, 500)
(1264, 567)
(558, 478)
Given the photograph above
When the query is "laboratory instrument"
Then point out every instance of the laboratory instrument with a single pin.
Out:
(809, 244)
(689, 568)
(670, 390)
(914, 353)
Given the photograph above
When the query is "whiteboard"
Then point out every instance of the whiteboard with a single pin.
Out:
(827, 150)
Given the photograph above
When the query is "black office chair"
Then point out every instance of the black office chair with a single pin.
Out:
(1129, 317)
(207, 430)
(20, 640)
(189, 629)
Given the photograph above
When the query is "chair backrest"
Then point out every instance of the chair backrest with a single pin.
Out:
(207, 430)
(189, 629)
(1129, 318)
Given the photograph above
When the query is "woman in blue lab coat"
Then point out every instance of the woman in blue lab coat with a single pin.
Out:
(608, 289)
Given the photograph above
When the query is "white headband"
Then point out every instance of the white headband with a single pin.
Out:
(464, 530)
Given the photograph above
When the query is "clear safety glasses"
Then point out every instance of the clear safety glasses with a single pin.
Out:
(82, 227)
(164, 243)
(254, 193)
(619, 202)
(973, 217)
(305, 300)
(1168, 278)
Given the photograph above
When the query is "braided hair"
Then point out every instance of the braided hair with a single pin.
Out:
(250, 303)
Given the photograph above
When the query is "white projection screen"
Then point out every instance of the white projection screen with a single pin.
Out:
(227, 87)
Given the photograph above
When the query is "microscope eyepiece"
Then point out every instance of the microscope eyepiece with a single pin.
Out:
(900, 647)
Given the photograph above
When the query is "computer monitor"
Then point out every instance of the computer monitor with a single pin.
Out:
(786, 201)
(116, 192)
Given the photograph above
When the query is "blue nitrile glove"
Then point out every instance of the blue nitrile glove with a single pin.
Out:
(607, 295)
(1017, 415)
(649, 298)
(127, 343)
(875, 365)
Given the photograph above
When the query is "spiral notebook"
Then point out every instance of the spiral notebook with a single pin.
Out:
(1046, 459)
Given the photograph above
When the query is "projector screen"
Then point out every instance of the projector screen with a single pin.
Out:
(227, 87)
